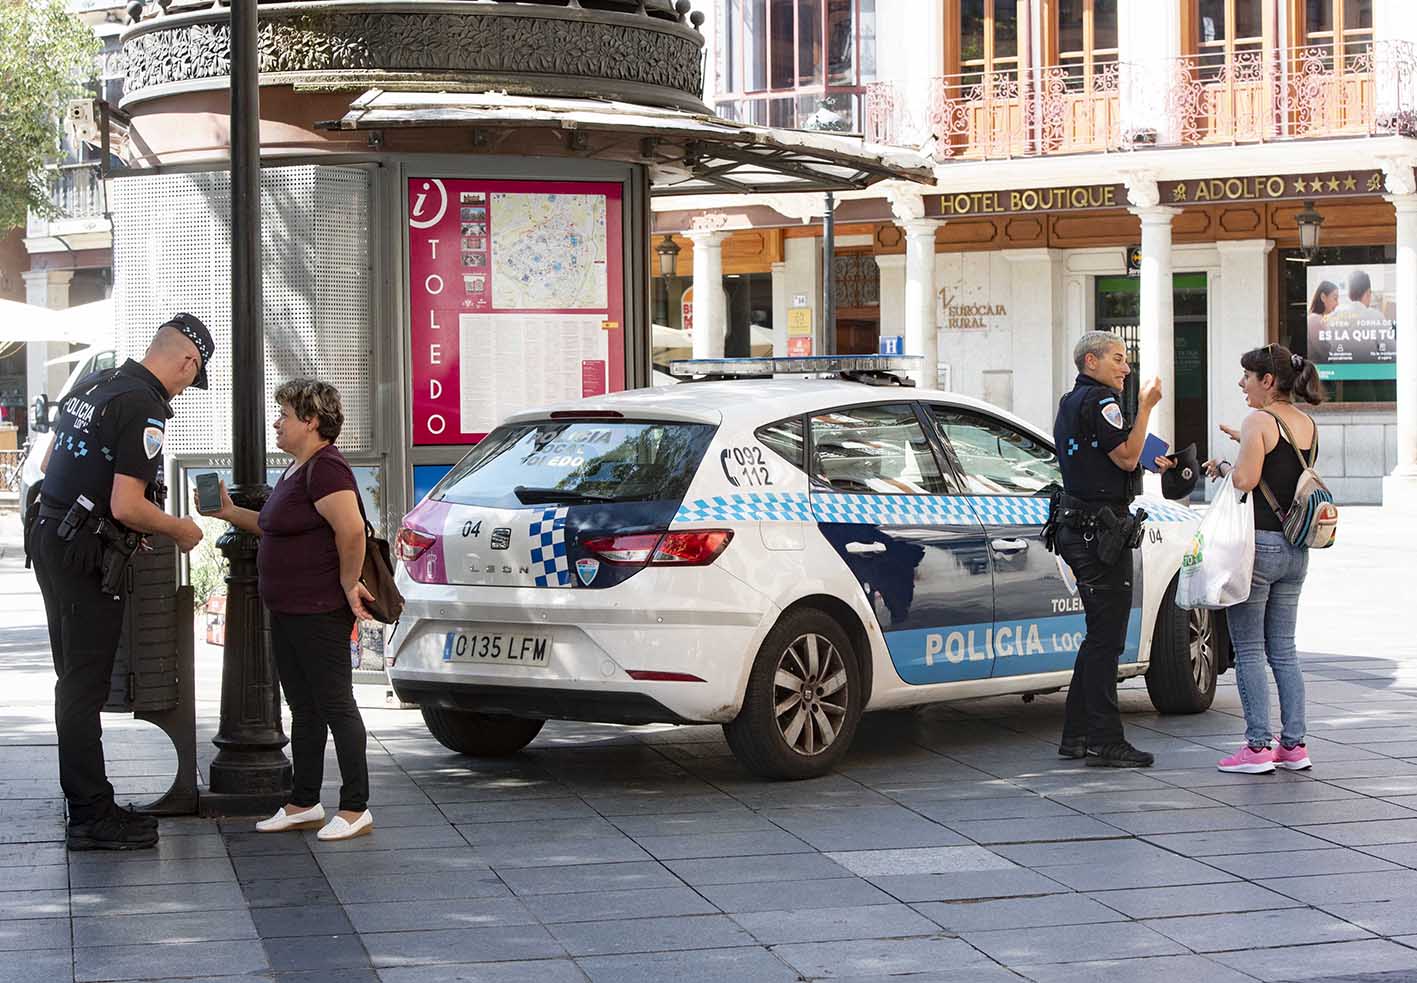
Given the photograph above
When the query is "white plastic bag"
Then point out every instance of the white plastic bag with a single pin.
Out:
(1220, 560)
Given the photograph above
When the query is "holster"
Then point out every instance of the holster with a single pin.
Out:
(1118, 533)
(119, 545)
(31, 523)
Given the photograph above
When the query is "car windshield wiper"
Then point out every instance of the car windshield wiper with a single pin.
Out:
(528, 496)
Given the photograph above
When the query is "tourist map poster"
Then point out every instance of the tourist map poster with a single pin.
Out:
(516, 296)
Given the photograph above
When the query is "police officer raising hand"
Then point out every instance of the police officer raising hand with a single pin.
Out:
(1092, 528)
(102, 490)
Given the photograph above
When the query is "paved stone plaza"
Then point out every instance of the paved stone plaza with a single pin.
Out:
(954, 846)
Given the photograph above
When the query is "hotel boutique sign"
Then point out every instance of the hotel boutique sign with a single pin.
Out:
(1204, 191)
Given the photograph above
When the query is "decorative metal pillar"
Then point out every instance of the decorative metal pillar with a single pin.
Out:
(829, 275)
(250, 773)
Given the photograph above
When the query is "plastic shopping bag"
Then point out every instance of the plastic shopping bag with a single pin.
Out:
(1218, 563)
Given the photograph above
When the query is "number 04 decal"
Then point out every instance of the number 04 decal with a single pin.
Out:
(745, 466)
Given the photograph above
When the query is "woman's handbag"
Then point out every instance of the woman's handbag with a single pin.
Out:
(378, 573)
(1312, 519)
(1219, 562)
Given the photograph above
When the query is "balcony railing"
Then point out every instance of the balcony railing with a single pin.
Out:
(76, 191)
(1256, 96)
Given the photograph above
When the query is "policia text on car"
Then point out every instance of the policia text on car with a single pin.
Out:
(1091, 526)
(102, 492)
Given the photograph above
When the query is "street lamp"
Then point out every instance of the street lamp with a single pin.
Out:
(1309, 221)
(668, 253)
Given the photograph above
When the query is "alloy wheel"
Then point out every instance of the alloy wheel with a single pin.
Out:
(1200, 630)
(810, 694)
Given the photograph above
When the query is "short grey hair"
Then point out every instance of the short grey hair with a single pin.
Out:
(1095, 343)
(312, 399)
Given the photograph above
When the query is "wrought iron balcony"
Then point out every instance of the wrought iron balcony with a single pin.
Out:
(76, 192)
(1256, 96)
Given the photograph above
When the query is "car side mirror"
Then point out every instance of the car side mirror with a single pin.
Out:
(39, 416)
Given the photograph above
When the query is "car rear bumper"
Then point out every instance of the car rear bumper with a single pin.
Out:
(538, 702)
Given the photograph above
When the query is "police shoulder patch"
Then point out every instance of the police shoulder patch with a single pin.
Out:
(1112, 413)
(152, 441)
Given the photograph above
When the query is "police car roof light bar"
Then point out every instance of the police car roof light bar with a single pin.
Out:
(863, 367)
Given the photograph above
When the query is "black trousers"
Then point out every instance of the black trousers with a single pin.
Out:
(312, 660)
(1106, 593)
(84, 627)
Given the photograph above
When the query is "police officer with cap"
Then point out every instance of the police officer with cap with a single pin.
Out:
(102, 490)
(1092, 529)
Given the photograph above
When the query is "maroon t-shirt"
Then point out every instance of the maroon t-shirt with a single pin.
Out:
(298, 562)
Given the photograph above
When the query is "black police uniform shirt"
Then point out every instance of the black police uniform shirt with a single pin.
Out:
(1089, 425)
(112, 422)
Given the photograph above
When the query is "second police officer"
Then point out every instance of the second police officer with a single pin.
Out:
(101, 492)
(1092, 529)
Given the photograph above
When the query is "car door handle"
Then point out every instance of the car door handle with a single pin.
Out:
(1009, 545)
(865, 548)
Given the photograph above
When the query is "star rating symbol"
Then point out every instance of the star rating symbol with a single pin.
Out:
(1298, 186)
(1316, 185)
(1350, 183)
(1333, 184)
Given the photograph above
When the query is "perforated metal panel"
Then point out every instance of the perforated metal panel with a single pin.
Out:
(172, 252)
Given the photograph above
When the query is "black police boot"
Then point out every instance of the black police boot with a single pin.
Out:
(1072, 747)
(1119, 755)
(110, 832)
(134, 817)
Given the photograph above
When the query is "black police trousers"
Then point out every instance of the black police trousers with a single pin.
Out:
(1106, 593)
(84, 628)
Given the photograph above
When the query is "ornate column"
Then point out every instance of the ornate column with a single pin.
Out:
(1158, 338)
(1400, 487)
(710, 311)
(921, 329)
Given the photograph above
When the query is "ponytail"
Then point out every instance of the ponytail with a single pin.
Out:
(1294, 375)
(1307, 385)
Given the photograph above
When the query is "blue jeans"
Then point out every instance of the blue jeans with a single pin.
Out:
(1263, 628)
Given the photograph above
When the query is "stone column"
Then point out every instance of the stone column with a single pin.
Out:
(710, 311)
(1158, 338)
(921, 330)
(1035, 319)
(46, 288)
(1400, 487)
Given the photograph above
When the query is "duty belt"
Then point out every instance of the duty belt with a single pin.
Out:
(1079, 513)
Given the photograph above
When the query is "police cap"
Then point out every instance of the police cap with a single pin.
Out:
(1178, 482)
(196, 332)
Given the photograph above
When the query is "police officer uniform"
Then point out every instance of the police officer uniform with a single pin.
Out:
(112, 422)
(1094, 533)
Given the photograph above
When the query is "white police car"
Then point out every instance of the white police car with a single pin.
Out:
(774, 555)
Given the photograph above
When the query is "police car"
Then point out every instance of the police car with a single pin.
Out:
(776, 555)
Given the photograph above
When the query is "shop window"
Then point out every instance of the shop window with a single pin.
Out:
(1087, 39)
(796, 63)
(1348, 334)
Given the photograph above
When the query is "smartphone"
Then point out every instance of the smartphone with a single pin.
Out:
(208, 492)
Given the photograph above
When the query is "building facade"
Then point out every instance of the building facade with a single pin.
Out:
(1135, 165)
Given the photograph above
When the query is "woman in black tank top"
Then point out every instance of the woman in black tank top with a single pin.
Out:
(1262, 627)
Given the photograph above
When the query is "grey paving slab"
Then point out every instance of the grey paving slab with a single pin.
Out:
(834, 924)
(290, 892)
(140, 872)
(279, 923)
(1157, 969)
(702, 966)
(408, 838)
(1071, 943)
(604, 938)
(953, 811)
(1390, 918)
(1115, 851)
(481, 835)
(1140, 800)
(551, 909)
(1262, 789)
(1332, 860)
(172, 846)
(1160, 872)
(540, 971)
(878, 957)
(226, 925)
(1404, 854)
(826, 893)
(1184, 820)
(32, 854)
(701, 845)
(976, 974)
(1035, 830)
(164, 961)
(409, 916)
(34, 933)
(570, 852)
(48, 878)
(457, 861)
(38, 966)
(1336, 959)
(923, 860)
(463, 945)
(746, 870)
(1390, 885)
(1202, 899)
(316, 953)
(1219, 842)
(1336, 811)
(968, 885)
(1366, 833)
(1257, 929)
(517, 810)
(355, 889)
(867, 827)
(263, 868)
(739, 820)
(589, 877)
(155, 898)
(1005, 913)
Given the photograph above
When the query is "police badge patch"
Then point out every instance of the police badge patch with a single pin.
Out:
(1112, 413)
(152, 441)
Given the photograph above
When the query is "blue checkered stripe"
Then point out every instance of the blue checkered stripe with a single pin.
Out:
(551, 566)
(894, 510)
(755, 507)
(1161, 510)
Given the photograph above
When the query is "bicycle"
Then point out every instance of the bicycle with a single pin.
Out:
(12, 469)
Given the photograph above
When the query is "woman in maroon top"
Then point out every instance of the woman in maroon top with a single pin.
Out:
(309, 564)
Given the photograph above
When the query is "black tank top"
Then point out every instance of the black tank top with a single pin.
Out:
(1281, 470)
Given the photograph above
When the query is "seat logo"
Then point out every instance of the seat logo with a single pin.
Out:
(501, 538)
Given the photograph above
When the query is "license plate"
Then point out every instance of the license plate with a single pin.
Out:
(515, 650)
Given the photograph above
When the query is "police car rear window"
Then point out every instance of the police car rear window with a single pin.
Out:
(577, 462)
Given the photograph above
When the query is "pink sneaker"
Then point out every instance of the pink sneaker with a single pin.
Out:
(1249, 761)
(1294, 758)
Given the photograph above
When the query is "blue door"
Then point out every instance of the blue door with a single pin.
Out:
(880, 497)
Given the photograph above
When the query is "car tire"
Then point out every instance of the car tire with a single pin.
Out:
(1186, 648)
(775, 737)
(480, 735)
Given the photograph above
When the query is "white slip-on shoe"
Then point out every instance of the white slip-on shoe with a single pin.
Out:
(339, 828)
(282, 820)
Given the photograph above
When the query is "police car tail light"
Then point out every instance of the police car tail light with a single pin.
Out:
(410, 544)
(692, 548)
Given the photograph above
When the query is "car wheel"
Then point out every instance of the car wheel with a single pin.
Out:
(804, 699)
(479, 734)
(1186, 647)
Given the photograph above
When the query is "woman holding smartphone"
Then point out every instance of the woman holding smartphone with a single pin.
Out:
(309, 562)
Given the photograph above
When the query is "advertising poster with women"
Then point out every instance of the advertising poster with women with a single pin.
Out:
(516, 297)
(1353, 321)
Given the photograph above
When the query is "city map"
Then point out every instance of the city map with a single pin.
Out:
(549, 252)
